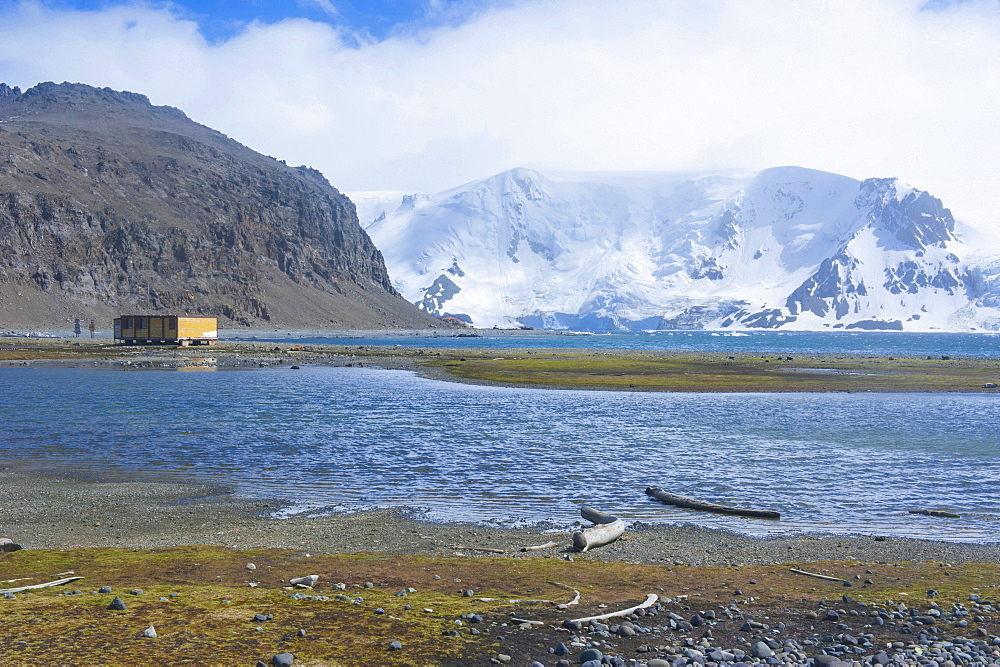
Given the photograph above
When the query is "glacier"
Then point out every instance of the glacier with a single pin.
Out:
(786, 247)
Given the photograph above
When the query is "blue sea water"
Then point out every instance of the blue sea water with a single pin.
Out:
(868, 343)
(342, 439)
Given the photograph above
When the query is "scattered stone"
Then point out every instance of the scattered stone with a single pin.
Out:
(761, 650)
(396, 646)
(308, 580)
(136, 591)
(251, 567)
(468, 593)
(149, 632)
(117, 604)
(829, 661)
(591, 654)
(104, 589)
(283, 660)
(8, 545)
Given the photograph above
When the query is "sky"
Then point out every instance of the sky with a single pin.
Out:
(422, 96)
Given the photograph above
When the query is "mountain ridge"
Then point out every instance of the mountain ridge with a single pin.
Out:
(786, 247)
(109, 204)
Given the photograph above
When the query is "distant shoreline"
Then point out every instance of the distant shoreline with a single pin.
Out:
(550, 368)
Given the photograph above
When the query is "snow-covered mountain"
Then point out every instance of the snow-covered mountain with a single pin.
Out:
(785, 247)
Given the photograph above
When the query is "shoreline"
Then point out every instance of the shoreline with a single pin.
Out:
(549, 368)
(46, 511)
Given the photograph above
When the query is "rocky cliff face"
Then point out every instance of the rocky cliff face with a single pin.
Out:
(109, 204)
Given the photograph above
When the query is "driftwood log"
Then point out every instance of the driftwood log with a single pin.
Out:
(57, 582)
(938, 513)
(651, 599)
(692, 504)
(607, 530)
(814, 575)
(598, 535)
(596, 516)
(485, 549)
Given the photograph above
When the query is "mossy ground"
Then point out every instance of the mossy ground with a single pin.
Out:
(576, 369)
(211, 618)
(717, 373)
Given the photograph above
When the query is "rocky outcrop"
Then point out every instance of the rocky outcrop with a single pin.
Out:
(109, 204)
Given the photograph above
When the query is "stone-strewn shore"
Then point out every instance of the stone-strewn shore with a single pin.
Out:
(47, 511)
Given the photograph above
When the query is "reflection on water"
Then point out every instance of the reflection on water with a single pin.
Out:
(335, 439)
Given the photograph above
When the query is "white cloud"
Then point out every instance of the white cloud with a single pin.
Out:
(860, 87)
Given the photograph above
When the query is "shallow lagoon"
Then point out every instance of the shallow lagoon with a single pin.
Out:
(341, 439)
(864, 343)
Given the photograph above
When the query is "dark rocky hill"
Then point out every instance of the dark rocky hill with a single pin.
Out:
(109, 204)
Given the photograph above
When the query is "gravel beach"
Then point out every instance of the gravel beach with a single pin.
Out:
(54, 512)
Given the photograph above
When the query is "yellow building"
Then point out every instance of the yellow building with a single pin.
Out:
(166, 330)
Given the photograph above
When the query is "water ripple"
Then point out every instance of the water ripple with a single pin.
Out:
(326, 439)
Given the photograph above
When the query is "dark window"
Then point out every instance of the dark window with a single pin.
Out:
(140, 323)
(126, 323)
